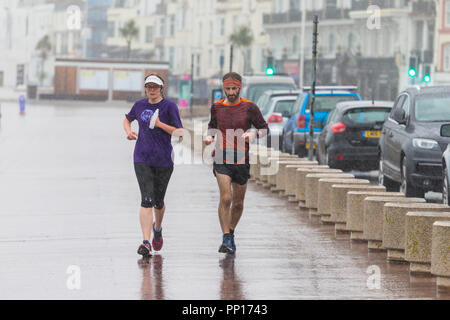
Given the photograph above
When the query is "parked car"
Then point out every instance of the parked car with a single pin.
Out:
(349, 139)
(411, 145)
(276, 112)
(264, 100)
(296, 130)
(254, 86)
(445, 132)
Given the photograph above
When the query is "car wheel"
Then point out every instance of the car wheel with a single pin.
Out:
(445, 184)
(283, 143)
(405, 185)
(390, 185)
(292, 144)
(327, 158)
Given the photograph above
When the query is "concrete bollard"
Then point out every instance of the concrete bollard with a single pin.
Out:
(419, 233)
(270, 170)
(339, 201)
(374, 217)
(290, 179)
(280, 177)
(311, 185)
(300, 178)
(262, 159)
(394, 225)
(324, 194)
(440, 254)
(355, 210)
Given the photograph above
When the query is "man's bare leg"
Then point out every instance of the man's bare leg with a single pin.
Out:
(237, 204)
(224, 183)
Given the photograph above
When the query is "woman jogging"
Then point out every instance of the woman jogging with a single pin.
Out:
(158, 120)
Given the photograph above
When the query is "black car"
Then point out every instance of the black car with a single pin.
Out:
(350, 137)
(411, 144)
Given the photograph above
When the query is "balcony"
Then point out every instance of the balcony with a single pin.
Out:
(296, 16)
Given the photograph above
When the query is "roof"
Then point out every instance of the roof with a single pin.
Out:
(265, 79)
(428, 89)
(364, 103)
(282, 92)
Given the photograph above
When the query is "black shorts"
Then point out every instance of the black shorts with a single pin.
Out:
(239, 173)
(153, 183)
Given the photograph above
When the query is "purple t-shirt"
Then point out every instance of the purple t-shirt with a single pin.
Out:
(153, 146)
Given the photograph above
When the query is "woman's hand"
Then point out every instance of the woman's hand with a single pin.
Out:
(131, 135)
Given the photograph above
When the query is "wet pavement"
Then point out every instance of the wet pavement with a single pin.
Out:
(69, 226)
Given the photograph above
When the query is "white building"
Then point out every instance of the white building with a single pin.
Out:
(375, 29)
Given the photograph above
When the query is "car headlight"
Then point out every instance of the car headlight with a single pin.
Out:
(424, 143)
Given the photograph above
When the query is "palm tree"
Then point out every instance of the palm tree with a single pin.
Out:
(242, 38)
(130, 31)
(44, 47)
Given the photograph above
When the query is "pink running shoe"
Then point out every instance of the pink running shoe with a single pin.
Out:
(145, 249)
(157, 241)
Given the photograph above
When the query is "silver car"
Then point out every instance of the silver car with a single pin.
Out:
(445, 132)
(276, 112)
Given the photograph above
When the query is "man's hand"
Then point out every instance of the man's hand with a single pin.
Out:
(132, 135)
(209, 140)
(249, 136)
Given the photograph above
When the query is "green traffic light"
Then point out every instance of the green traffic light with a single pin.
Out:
(412, 73)
(426, 79)
(270, 71)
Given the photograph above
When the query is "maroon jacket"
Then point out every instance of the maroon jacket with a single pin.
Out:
(231, 121)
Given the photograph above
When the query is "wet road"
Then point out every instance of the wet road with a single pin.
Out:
(69, 201)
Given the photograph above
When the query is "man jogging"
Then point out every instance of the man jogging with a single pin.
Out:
(158, 120)
(231, 120)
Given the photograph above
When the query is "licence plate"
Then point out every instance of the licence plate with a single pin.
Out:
(307, 145)
(372, 133)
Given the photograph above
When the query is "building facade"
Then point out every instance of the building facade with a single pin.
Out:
(364, 43)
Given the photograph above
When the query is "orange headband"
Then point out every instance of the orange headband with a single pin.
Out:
(230, 82)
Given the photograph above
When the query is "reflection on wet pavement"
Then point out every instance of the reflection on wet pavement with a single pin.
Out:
(69, 197)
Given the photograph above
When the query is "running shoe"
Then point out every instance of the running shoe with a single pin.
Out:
(157, 241)
(233, 245)
(227, 245)
(145, 249)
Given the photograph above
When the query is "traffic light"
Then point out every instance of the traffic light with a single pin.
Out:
(270, 70)
(426, 74)
(412, 71)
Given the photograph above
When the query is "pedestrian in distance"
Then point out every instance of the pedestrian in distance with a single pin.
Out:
(158, 120)
(230, 126)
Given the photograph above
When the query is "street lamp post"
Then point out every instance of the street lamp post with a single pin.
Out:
(302, 45)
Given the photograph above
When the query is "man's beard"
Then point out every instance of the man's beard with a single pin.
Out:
(233, 97)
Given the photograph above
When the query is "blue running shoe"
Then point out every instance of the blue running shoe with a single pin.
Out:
(233, 245)
(227, 244)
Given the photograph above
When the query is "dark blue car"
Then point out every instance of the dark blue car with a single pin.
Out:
(295, 137)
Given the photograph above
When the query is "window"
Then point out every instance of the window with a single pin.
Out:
(368, 115)
(161, 27)
(447, 57)
(222, 26)
(326, 103)
(171, 56)
(351, 42)
(172, 26)
(111, 29)
(20, 74)
(405, 106)
(432, 107)
(295, 44)
(447, 13)
(149, 34)
(331, 44)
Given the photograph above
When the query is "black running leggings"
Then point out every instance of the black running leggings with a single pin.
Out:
(153, 183)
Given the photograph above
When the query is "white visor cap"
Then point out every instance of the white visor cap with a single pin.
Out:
(154, 79)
